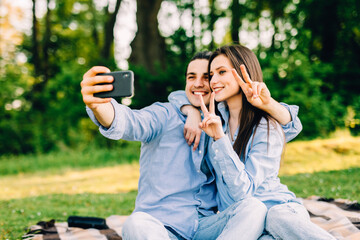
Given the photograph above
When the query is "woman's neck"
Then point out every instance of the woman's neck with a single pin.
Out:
(234, 104)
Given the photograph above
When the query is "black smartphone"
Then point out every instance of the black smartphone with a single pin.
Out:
(123, 85)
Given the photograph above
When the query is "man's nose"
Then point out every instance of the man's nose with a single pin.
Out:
(199, 82)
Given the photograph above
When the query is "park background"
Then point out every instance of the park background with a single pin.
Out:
(53, 161)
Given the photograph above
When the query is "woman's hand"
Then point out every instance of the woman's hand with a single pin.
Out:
(259, 96)
(256, 93)
(89, 87)
(211, 123)
(192, 131)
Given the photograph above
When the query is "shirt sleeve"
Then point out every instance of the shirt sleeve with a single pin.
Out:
(294, 127)
(262, 160)
(179, 99)
(134, 125)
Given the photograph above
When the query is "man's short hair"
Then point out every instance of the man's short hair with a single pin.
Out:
(201, 55)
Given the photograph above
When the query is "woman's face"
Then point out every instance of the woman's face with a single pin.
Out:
(222, 81)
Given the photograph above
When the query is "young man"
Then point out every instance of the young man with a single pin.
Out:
(176, 185)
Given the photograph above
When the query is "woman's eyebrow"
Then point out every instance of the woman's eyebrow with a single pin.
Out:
(220, 67)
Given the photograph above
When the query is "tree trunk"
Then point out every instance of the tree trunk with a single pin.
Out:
(213, 19)
(107, 52)
(35, 43)
(235, 21)
(148, 47)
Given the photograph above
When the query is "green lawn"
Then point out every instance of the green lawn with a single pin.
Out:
(328, 168)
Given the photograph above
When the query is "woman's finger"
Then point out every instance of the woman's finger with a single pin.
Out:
(240, 81)
(245, 74)
(212, 103)
(202, 105)
(254, 86)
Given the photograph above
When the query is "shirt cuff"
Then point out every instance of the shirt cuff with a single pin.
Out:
(179, 99)
(118, 121)
(293, 110)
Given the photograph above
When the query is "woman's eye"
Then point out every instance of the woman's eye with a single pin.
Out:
(222, 72)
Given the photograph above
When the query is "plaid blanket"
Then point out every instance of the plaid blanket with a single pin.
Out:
(341, 218)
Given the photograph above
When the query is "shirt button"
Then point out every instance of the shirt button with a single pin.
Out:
(198, 171)
(199, 151)
(216, 151)
(223, 172)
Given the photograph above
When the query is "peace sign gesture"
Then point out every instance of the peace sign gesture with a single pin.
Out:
(256, 93)
(211, 123)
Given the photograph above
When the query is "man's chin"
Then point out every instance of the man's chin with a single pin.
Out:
(197, 103)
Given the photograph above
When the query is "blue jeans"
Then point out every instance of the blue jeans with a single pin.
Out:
(242, 220)
(292, 221)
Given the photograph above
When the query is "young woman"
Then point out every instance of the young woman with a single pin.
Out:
(246, 150)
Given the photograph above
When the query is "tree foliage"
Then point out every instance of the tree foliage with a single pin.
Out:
(309, 51)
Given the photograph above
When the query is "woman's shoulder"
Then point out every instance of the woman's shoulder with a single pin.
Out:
(268, 127)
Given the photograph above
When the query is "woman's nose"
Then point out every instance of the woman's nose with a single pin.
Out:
(214, 79)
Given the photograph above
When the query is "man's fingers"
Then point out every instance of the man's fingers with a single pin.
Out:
(212, 103)
(89, 100)
(197, 140)
(245, 73)
(96, 70)
(187, 135)
(97, 88)
(202, 105)
(91, 81)
(191, 139)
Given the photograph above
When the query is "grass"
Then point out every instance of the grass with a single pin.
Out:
(16, 214)
(43, 187)
(62, 161)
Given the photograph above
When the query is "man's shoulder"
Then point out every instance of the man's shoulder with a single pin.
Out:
(165, 109)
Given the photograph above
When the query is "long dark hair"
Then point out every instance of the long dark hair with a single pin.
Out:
(250, 116)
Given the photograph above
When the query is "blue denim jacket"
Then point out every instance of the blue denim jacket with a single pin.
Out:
(258, 177)
(172, 187)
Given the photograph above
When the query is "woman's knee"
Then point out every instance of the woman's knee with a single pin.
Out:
(285, 214)
(253, 205)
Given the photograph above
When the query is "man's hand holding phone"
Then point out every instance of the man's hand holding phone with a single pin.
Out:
(89, 86)
(99, 85)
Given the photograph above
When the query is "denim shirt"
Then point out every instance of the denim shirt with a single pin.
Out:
(257, 174)
(172, 186)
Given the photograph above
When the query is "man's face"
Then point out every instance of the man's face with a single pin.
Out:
(197, 82)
